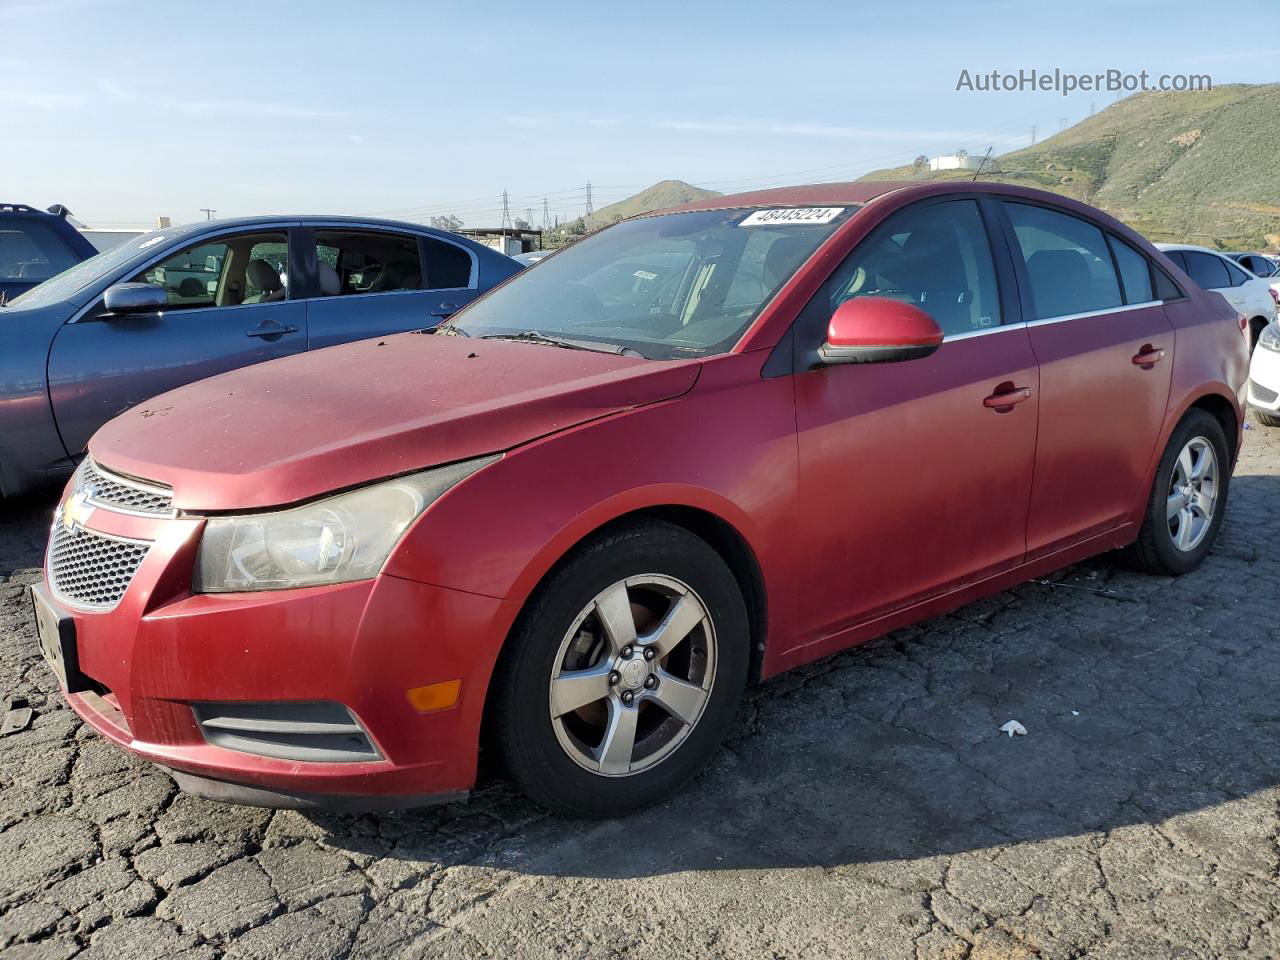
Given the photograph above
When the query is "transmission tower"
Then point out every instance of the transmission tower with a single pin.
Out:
(506, 211)
(590, 209)
(528, 215)
(546, 216)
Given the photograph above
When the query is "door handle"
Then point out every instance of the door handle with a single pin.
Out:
(1003, 400)
(272, 330)
(1148, 356)
(445, 310)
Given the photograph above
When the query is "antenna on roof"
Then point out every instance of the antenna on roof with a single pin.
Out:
(982, 163)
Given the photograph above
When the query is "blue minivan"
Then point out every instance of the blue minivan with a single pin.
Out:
(35, 245)
(177, 305)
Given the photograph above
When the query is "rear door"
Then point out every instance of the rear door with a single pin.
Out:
(228, 307)
(1105, 349)
(371, 282)
(914, 478)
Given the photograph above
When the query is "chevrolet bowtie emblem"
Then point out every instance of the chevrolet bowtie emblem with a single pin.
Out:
(76, 511)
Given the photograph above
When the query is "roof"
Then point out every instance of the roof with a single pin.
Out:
(1189, 246)
(861, 191)
(865, 191)
(307, 218)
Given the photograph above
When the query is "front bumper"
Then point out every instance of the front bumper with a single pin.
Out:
(163, 650)
(1264, 380)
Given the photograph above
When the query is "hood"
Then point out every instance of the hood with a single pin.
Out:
(306, 425)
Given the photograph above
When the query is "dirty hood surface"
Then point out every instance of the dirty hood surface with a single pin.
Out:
(302, 426)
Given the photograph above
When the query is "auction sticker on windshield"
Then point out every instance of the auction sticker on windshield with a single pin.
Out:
(762, 218)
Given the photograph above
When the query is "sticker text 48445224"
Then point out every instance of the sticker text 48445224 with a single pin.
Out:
(792, 215)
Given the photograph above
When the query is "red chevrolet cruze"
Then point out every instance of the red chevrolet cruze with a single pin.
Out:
(695, 449)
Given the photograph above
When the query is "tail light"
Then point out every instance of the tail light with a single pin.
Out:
(1275, 295)
(1243, 321)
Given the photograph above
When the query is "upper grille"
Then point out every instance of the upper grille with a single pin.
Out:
(112, 491)
(91, 569)
(1262, 393)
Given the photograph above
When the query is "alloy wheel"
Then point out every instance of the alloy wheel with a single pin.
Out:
(632, 675)
(1193, 494)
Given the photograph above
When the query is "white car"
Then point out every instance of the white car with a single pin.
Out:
(1253, 297)
(1264, 377)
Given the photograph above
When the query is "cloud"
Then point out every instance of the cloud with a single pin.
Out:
(40, 8)
(823, 131)
(267, 109)
(114, 90)
(53, 102)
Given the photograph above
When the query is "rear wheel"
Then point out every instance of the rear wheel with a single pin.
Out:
(1267, 419)
(1187, 500)
(623, 675)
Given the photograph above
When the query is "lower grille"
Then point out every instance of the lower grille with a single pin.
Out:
(91, 569)
(1262, 393)
(319, 731)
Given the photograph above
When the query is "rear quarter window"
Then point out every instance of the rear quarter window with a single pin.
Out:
(31, 250)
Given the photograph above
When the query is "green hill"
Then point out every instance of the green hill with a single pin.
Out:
(664, 193)
(1202, 167)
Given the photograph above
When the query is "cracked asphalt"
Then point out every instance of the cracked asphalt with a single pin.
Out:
(866, 806)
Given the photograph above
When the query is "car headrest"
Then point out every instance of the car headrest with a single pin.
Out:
(330, 282)
(263, 276)
(1059, 281)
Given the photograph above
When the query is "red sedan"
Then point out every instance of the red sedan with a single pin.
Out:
(691, 451)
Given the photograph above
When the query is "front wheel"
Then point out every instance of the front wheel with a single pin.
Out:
(623, 675)
(1267, 419)
(1187, 500)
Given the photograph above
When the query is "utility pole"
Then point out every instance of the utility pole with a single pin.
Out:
(1033, 134)
(590, 210)
(208, 213)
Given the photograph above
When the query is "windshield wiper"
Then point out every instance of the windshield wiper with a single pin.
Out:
(448, 330)
(597, 346)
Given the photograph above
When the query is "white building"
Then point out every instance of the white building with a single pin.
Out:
(955, 161)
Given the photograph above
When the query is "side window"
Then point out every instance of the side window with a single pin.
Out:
(1206, 270)
(30, 250)
(1166, 288)
(1068, 264)
(223, 273)
(1135, 271)
(354, 262)
(1235, 274)
(1259, 266)
(448, 265)
(1177, 257)
(935, 256)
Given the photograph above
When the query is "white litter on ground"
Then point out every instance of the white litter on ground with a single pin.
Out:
(1014, 728)
(1075, 713)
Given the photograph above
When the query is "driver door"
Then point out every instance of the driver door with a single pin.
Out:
(228, 307)
(913, 479)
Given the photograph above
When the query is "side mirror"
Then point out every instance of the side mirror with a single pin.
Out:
(879, 330)
(125, 298)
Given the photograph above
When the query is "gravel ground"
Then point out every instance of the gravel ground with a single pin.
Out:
(866, 806)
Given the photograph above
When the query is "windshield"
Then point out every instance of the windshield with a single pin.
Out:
(63, 285)
(673, 286)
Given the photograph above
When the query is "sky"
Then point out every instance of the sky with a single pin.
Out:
(125, 110)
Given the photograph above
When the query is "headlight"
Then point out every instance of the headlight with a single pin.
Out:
(1270, 337)
(342, 538)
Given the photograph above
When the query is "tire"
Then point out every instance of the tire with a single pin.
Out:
(574, 631)
(1174, 545)
(1267, 419)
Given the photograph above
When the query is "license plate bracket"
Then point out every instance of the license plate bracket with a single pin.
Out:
(57, 634)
